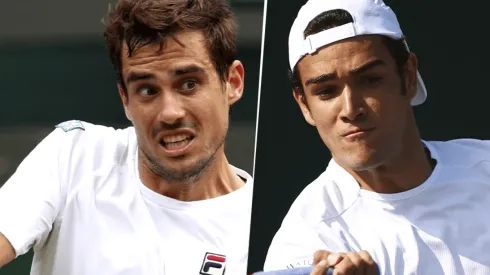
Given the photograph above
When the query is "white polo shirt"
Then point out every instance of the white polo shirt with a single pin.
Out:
(77, 200)
(439, 227)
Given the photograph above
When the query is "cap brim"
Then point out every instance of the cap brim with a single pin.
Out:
(421, 94)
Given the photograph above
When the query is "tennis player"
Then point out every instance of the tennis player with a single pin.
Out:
(156, 198)
(387, 197)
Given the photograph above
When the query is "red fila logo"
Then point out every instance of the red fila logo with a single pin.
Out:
(213, 264)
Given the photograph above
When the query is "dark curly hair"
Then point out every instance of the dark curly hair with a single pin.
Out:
(139, 23)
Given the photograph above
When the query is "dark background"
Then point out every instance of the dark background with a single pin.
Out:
(449, 40)
(54, 67)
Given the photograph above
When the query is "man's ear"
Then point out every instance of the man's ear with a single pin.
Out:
(124, 98)
(411, 80)
(235, 81)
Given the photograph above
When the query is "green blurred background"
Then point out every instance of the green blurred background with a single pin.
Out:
(54, 67)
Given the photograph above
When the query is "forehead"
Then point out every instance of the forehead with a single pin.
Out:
(345, 55)
(185, 48)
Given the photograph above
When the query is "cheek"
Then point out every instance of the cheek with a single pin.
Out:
(324, 115)
(396, 119)
(143, 118)
(211, 111)
(390, 115)
(389, 104)
(323, 112)
(219, 114)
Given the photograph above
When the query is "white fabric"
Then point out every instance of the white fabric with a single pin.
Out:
(315, 41)
(78, 201)
(439, 227)
(370, 17)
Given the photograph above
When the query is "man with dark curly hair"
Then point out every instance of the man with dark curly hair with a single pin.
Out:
(156, 198)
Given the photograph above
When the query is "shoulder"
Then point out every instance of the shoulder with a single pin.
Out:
(324, 198)
(298, 236)
(89, 131)
(297, 239)
(82, 132)
(242, 174)
(460, 152)
(80, 141)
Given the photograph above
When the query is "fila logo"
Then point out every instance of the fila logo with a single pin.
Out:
(213, 264)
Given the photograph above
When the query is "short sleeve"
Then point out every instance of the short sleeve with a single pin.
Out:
(294, 245)
(30, 200)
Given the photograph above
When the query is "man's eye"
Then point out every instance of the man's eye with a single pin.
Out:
(146, 91)
(325, 92)
(189, 85)
(372, 79)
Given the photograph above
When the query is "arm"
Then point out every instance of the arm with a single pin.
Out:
(324, 262)
(301, 233)
(7, 253)
(31, 199)
(294, 245)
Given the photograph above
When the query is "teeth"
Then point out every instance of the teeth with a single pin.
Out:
(178, 144)
(175, 138)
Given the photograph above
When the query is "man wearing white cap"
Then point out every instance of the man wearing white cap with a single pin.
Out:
(159, 197)
(387, 198)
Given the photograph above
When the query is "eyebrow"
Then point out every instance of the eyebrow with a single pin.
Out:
(137, 76)
(362, 69)
(186, 70)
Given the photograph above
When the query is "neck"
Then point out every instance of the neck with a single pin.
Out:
(407, 169)
(218, 179)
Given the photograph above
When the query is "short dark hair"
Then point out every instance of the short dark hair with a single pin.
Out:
(335, 18)
(139, 23)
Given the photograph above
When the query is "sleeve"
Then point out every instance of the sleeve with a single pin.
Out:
(294, 245)
(31, 199)
(304, 231)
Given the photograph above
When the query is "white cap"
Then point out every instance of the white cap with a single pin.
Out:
(370, 17)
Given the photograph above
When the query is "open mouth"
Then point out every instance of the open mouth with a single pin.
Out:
(176, 142)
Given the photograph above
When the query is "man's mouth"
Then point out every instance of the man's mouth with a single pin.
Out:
(176, 142)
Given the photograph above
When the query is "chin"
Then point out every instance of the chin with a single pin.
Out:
(359, 161)
(179, 163)
(364, 166)
(182, 170)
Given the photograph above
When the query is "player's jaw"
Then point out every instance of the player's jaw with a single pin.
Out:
(357, 155)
